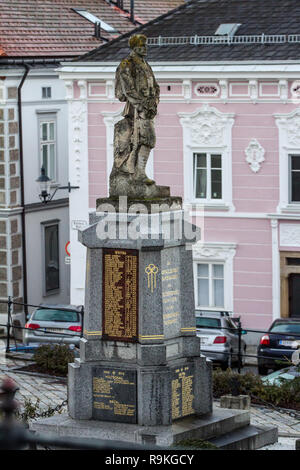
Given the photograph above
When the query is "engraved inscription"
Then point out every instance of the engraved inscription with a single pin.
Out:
(170, 298)
(183, 392)
(114, 395)
(120, 295)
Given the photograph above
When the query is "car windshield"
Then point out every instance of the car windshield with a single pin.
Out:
(288, 327)
(206, 322)
(56, 315)
(285, 374)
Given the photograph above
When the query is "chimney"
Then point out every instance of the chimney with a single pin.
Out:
(97, 30)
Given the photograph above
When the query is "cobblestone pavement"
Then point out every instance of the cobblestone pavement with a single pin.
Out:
(49, 391)
(52, 392)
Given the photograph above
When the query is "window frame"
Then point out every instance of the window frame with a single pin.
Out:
(216, 253)
(48, 119)
(211, 290)
(46, 88)
(208, 198)
(46, 225)
(218, 141)
(290, 174)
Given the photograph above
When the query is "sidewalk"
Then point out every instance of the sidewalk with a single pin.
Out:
(52, 392)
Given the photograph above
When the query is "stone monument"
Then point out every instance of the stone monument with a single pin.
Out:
(139, 357)
(140, 376)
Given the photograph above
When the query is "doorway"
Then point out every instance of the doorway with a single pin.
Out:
(294, 295)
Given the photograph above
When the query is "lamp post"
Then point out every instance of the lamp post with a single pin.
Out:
(45, 187)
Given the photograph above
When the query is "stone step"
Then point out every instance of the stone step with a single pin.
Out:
(221, 422)
(247, 438)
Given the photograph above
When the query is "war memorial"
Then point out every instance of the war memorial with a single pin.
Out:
(140, 358)
(140, 376)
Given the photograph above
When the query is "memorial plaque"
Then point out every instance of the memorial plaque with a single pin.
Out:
(120, 295)
(114, 395)
(183, 392)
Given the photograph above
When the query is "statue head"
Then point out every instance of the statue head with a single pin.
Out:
(138, 43)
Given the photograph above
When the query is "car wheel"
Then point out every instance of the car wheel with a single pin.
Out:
(262, 370)
(228, 363)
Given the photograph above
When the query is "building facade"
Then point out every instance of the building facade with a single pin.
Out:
(42, 141)
(34, 37)
(227, 142)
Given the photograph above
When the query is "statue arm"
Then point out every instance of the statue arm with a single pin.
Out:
(128, 87)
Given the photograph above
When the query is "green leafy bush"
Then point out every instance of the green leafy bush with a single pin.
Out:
(287, 395)
(53, 358)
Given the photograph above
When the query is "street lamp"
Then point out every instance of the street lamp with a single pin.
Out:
(45, 187)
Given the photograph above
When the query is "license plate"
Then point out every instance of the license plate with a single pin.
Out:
(289, 344)
(204, 340)
(53, 330)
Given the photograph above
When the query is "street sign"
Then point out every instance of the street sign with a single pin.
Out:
(78, 224)
(66, 249)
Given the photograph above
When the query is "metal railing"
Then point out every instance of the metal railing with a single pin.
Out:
(14, 435)
(226, 39)
(239, 331)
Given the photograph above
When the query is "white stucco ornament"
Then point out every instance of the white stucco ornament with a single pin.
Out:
(255, 155)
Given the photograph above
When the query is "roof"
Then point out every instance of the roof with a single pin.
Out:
(202, 18)
(51, 28)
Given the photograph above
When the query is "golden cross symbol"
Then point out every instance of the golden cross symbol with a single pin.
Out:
(151, 270)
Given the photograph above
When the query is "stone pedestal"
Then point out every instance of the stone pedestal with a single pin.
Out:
(239, 402)
(139, 356)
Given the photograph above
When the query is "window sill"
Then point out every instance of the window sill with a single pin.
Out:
(290, 208)
(52, 292)
(207, 206)
(211, 309)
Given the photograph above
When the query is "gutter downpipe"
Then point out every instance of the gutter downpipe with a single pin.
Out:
(24, 258)
(132, 11)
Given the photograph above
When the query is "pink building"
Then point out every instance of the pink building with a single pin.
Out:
(228, 141)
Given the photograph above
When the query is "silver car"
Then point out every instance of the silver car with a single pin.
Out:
(219, 339)
(48, 324)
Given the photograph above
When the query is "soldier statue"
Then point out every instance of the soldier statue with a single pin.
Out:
(134, 135)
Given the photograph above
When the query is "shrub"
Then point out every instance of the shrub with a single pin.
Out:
(54, 358)
(287, 395)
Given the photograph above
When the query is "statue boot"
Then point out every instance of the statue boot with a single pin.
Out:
(140, 173)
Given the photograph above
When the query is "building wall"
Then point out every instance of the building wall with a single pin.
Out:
(11, 249)
(246, 227)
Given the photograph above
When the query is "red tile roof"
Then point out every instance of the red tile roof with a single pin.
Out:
(50, 28)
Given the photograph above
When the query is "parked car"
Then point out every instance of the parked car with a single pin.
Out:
(278, 344)
(219, 340)
(282, 375)
(48, 324)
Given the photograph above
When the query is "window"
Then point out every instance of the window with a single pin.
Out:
(56, 315)
(94, 19)
(228, 29)
(207, 176)
(206, 322)
(51, 258)
(210, 285)
(48, 147)
(46, 92)
(294, 178)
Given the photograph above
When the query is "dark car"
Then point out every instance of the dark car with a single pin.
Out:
(278, 344)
